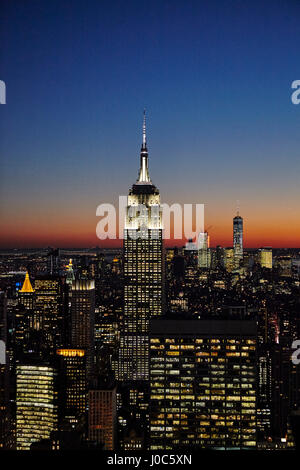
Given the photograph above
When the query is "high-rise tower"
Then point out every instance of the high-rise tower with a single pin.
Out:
(83, 318)
(143, 272)
(49, 308)
(238, 239)
(36, 401)
(26, 293)
(204, 254)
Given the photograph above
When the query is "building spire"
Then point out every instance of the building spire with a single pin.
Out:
(144, 177)
(27, 287)
(144, 145)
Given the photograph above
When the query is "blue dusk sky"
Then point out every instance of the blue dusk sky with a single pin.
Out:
(215, 79)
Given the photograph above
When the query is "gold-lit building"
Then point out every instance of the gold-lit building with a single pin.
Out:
(229, 262)
(204, 254)
(36, 401)
(73, 383)
(102, 417)
(24, 313)
(265, 258)
(203, 384)
(26, 293)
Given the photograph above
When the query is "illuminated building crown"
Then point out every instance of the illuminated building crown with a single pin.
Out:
(27, 287)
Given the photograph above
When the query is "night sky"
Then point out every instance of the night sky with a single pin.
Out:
(215, 79)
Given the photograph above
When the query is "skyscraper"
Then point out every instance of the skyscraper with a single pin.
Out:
(228, 259)
(73, 386)
(83, 318)
(143, 297)
(4, 397)
(143, 272)
(26, 294)
(203, 384)
(70, 273)
(36, 402)
(49, 309)
(265, 258)
(24, 313)
(102, 416)
(238, 239)
(204, 255)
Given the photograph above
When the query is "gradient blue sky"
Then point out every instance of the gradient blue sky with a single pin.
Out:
(215, 78)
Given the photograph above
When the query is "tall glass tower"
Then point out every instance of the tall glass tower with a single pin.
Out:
(238, 239)
(204, 255)
(143, 272)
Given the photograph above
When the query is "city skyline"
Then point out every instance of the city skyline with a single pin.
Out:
(221, 123)
(149, 247)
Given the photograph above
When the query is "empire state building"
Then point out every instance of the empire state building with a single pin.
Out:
(143, 272)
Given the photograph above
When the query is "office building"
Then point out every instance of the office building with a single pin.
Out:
(229, 262)
(73, 384)
(49, 310)
(102, 417)
(36, 402)
(83, 318)
(265, 258)
(4, 396)
(204, 254)
(203, 384)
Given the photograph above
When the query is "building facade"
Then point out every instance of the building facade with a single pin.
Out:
(203, 384)
(204, 254)
(238, 239)
(83, 318)
(36, 401)
(73, 384)
(143, 273)
(102, 418)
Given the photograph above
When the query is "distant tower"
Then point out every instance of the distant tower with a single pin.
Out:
(26, 294)
(265, 257)
(53, 261)
(70, 273)
(204, 255)
(238, 238)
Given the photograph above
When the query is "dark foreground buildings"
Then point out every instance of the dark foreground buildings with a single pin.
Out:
(203, 384)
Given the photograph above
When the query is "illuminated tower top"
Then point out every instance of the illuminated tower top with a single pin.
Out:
(144, 177)
(27, 287)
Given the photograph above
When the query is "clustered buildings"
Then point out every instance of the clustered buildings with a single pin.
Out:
(149, 347)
